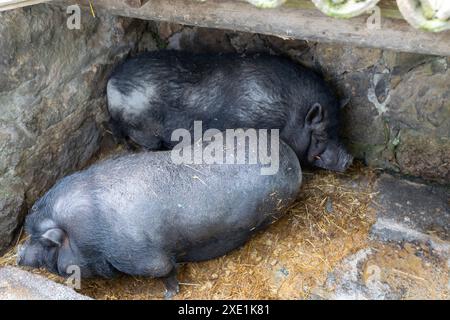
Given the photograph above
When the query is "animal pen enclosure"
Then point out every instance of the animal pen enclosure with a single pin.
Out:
(378, 231)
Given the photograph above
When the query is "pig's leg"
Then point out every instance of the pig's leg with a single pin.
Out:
(158, 267)
(171, 284)
(157, 264)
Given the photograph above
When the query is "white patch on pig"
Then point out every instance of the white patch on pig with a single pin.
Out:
(115, 101)
(256, 93)
(132, 104)
(70, 204)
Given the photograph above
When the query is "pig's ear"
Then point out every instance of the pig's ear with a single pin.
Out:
(314, 116)
(54, 237)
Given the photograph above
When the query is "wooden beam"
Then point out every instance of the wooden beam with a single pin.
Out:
(289, 21)
(135, 3)
(14, 4)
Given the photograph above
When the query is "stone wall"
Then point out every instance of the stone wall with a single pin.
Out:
(398, 115)
(52, 98)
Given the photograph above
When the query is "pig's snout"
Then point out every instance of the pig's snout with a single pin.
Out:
(335, 158)
(339, 161)
(25, 257)
(28, 255)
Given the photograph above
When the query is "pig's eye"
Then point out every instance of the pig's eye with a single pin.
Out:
(318, 143)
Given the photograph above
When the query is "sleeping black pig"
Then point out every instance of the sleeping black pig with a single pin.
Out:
(157, 92)
(141, 214)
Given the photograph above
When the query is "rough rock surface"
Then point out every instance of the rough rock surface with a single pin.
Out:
(398, 113)
(17, 284)
(52, 98)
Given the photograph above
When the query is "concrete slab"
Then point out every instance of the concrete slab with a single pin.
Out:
(18, 284)
(407, 210)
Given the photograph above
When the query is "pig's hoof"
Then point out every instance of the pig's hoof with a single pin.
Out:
(170, 293)
(171, 284)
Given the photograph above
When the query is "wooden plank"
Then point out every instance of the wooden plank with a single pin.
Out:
(13, 4)
(286, 22)
(135, 3)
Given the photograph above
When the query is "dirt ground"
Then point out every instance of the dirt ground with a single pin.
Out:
(329, 221)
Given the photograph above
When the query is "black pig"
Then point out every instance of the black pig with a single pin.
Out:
(141, 214)
(157, 92)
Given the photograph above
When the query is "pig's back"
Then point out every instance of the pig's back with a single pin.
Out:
(146, 197)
